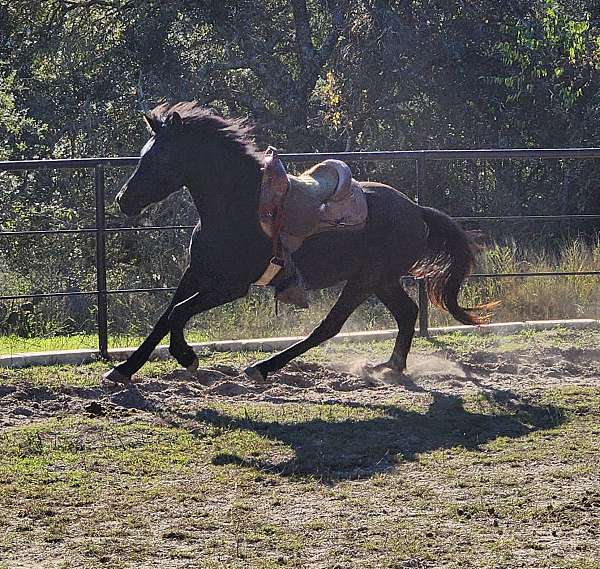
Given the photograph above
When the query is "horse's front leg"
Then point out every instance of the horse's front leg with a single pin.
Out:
(183, 311)
(123, 372)
(353, 295)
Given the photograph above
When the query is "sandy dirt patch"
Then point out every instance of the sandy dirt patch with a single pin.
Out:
(516, 372)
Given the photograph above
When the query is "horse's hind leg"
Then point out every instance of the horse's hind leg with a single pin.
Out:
(404, 311)
(351, 297)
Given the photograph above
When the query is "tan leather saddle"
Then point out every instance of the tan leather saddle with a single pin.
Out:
(292, 208)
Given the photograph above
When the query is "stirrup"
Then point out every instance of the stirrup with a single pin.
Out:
(275, 265)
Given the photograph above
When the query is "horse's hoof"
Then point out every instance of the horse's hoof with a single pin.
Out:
(193, 367)
(385, 369)
(116, 376)
(255, 374)
(380, 368)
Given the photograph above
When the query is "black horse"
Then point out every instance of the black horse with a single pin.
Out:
(216, 161)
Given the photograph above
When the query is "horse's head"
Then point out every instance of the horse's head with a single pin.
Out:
(159, 172)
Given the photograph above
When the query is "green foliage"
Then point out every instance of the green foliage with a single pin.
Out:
(15, 126)
(549, 57)
(312, 75)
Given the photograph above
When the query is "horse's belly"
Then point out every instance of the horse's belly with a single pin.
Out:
(331, 257)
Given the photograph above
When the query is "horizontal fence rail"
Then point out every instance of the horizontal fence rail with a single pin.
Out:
(419, 157)
(489, 154)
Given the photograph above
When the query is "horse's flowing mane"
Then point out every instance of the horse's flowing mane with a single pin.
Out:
(207, 123)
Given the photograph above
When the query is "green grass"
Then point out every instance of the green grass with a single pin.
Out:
(299, 485)
(557, 337)
(12, 344)
(454, 343)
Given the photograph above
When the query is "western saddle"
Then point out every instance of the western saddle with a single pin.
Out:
(292, 208)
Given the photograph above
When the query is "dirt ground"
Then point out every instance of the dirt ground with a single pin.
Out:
(347, 381)
(486, 456)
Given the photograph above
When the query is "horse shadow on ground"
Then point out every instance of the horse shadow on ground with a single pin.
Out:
(355, 448)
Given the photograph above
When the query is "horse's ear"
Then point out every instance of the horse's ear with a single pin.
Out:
(152, 124)
(175, 120)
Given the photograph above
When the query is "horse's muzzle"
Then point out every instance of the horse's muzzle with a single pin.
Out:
(126, 205)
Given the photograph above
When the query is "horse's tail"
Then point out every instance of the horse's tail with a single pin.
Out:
(448, 259)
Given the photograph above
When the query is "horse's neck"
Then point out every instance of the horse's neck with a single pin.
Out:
(227, 194)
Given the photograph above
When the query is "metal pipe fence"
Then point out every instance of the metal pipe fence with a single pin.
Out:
(419, 157)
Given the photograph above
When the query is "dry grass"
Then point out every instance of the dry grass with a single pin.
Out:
(536, 298)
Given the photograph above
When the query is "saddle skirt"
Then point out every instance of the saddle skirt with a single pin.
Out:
(324, 198)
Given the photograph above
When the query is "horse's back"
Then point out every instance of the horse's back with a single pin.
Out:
(389, 205)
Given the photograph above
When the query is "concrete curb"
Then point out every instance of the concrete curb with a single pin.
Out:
(78, 357)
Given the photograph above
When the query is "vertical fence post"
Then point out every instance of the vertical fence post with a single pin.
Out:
(102, 314)
(423, 299)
